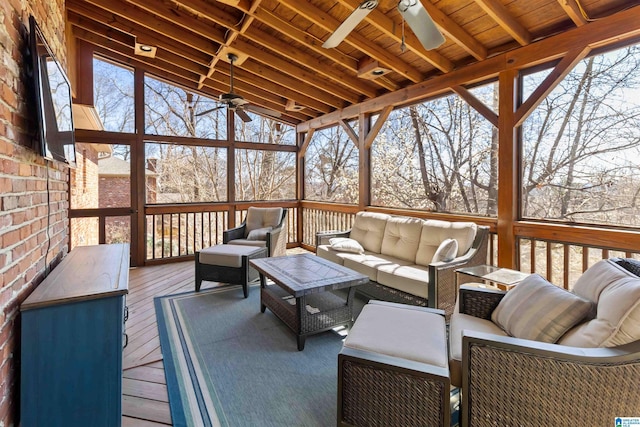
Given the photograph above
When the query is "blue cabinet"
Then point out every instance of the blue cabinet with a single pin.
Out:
(72, 337)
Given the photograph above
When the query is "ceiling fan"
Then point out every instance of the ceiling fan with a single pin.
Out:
(412, 11)
(237, 103)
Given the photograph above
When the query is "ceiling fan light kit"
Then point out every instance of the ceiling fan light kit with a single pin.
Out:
(412, 11)
(291, 106)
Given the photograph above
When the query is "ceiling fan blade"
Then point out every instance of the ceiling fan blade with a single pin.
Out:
(202, 113)
(238, 101)
(263, 111)
(421, 23)
(243, 115)
(350, 23)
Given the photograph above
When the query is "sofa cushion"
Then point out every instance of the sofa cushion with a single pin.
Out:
(401, 238)
(325, 251)
(345, 244)
(262, 217)
(369, 262)
(435, 232)
(617, 294)
(368, 229)
(413, 279)
(538, 310)
(259, 233)
(446, 251)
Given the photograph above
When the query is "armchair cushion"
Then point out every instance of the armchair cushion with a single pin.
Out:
(345, 244)
(540, 311)
(262, 217)
(617, 294)
(259, 233)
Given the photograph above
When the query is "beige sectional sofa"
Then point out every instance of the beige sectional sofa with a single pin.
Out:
(407, 259)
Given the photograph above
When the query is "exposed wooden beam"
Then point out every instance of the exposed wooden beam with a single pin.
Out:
(386, 25)
(353, 136)
(560, 71)
(306, 142)
(477, 105)
(375, 130)
(455, 32)
(572, 9)
(329, 23)
(501, 15)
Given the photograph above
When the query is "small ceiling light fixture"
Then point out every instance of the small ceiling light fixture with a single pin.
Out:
(291, 106)
(370, 69)
(145, 50)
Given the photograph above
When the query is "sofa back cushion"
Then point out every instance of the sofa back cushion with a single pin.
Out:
(262, 218)
(401, 237)
(368, 229)
(435, 232)
(616, 291)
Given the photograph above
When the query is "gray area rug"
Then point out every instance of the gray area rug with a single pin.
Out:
(228, 364)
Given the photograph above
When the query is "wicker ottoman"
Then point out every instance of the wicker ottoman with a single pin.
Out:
(393, 368)
(228, 264)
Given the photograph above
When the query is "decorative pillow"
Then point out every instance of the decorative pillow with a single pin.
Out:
(259, 233)
(538, 310)
(446, 252)
(344, 244)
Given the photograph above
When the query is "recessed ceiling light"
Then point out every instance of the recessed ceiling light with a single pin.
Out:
(145, 50)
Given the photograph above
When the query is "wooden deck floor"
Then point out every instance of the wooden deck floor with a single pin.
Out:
(145, 402)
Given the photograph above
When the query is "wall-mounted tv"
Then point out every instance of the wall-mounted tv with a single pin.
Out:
(52, 98)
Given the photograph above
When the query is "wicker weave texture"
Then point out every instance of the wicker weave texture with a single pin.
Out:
(518, 389)
(374, 290)
(376, 397)
(479, 304)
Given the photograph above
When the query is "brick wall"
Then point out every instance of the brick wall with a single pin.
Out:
(34, 198)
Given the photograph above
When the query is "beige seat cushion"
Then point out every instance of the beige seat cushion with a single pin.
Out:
(325, 251)
(369, 263)
(401, 238)
(538, 310)
(617, 294)
(400, 332)
(225, 255)
(247, 242)
(368, 230)
(434, 232)
(262, 217)
(412, 278)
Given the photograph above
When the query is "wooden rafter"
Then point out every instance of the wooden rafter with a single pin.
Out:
(501, 15)
(573, 11)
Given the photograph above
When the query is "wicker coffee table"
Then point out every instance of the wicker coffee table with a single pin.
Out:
(299, 294)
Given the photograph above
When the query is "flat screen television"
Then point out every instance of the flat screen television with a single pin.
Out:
(52, 92)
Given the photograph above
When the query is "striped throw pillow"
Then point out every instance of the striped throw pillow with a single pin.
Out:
(538, 310)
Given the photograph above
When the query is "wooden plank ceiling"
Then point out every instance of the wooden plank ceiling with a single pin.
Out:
(281, 41)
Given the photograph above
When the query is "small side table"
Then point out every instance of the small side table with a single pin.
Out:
(498, 277)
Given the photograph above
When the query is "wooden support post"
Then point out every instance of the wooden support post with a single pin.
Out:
(137, 176)
(508, 171)
(364, 161)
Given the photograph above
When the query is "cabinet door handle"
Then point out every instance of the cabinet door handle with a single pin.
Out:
(126, 313)
(126, 340)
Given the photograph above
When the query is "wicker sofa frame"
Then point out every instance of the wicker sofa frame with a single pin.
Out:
(276, 239)
(443, 283)
(511, 381)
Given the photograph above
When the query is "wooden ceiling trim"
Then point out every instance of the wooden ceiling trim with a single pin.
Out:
(501, 15)
(455, 32)
(157, 24)
(619, 27)
(573, 11)
(477, 105)
(329, 23)
(554, 78)
(389, 27)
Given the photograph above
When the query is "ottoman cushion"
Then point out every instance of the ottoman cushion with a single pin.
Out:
(226, 255)
(408, 333)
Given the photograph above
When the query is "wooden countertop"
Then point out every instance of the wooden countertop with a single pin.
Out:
(87, 272)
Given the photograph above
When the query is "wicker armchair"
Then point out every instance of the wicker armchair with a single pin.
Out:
(261, 227)
(512, 381)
